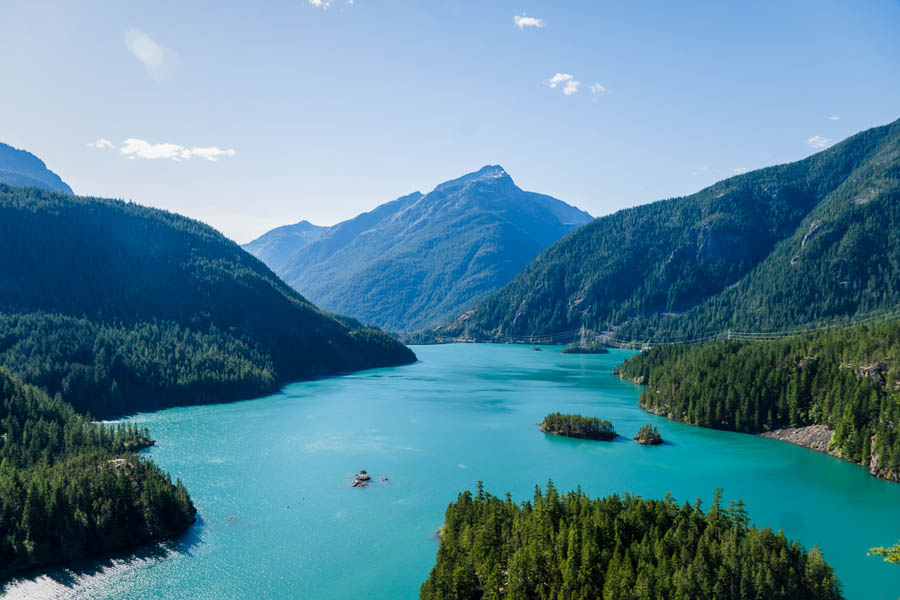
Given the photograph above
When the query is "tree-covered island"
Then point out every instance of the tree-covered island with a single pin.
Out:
(648, 435)
(577, 426)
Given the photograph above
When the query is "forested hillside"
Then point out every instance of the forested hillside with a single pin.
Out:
(422, 258)
(787, 245)
(124, 308)
(71, 488)
(572, 546)
(847, 379)
(22, 168)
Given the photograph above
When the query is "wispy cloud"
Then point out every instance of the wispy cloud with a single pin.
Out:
(158, 61)
(598, 89)
(569, 84)
(817, 141)
(739, 170)
(323, 4)
(138, 148)
(101, 143)
(523, 21)
(834, 118)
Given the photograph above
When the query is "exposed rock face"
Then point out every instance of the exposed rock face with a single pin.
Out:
(723, 245)
(874, 372)
(814, 437)
(817, 437)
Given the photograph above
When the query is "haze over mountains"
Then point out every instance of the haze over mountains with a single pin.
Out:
(418, 260)
(24, 169)
(813, 240)
(277, 246)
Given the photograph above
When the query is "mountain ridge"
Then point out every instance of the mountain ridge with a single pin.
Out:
(24, 169)
(414, 260)
(122, 308)
(673, 269)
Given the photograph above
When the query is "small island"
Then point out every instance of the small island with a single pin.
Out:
(649, 435)
(586, 349)
(361, 480)
(578, 426)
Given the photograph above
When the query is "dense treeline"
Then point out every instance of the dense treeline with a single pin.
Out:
(813, 240)
(125, 308)
(585, 349)
(70, 487)
(847, 379)
(614, 548)
(578, 426)
(112, 369)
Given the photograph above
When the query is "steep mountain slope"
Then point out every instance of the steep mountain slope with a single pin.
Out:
(731, 255)
(276, 247)
(18, 167)
(124, 308)
(422, 258)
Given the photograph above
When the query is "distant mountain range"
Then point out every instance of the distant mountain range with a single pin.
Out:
(811, 241)
(422, 258)
(277, 246)
(21, 168)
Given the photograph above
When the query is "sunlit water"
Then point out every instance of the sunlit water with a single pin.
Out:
(278, 518)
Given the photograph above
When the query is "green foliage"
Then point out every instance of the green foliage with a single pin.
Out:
(124, 308)
(648, 434)
(813, 240)
(847, 379)
(578, 426)
(570, 546)
(70, 487)
(891, 555)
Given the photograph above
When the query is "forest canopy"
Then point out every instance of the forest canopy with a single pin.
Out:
(617, 548)
(847, 379)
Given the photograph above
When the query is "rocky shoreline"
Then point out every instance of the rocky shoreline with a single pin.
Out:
(817, 437)
(814, 437)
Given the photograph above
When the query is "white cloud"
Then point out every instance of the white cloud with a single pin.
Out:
(569, 83)
(522, 21)
(597, 89)
(323, 4)
(137, 148)
(101, 143)
(211, 153)
(157, 60)
(739, 170)
(834, 118)
(817, 141)
(559, 78)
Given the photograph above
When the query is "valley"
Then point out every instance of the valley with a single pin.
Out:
(466, 412)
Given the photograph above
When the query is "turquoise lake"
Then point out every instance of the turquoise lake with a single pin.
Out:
(278, 518)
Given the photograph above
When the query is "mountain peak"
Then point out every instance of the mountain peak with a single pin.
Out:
(24, 169)
(485, 173)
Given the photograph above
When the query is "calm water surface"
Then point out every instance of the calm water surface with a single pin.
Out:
(280, 466)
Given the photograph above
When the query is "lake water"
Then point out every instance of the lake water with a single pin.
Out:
(278, 518)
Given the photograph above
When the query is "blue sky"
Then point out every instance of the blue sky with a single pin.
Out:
(320, 112)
